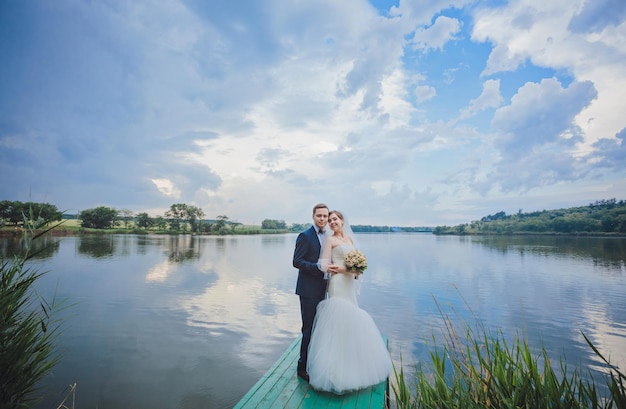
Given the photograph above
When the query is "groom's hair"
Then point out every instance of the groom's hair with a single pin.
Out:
(320, 206)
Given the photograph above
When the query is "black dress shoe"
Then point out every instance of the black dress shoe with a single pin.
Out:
(303, 375)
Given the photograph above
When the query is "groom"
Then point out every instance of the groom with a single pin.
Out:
(311, 286)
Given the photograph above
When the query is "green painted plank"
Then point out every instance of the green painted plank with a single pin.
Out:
(332, 401)
(380, 393)
(265, 384)
(292, 395)
(364, 400)
(285, 381)
(281, 388)
(301, 397)
(295, 390)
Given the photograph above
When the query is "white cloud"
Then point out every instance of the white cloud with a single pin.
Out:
(262, 111)
(489, 98)
(167, 187)
(395, 102)
(424, 93)
(540, 33)
(598, 15)
(436, 36)
(611, 153)
(422, 12)
(541, 114)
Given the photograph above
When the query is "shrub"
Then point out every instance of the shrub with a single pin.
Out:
(28, 330)
(478, 369)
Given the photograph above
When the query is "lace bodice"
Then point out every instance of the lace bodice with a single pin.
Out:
(342, 285)
(338, 253)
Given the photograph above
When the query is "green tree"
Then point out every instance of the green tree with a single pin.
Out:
(100, 217)
(160, 222)
(126, 216)
(193, 215)
(46, 211)
(220, 224)
(609, 224)
(14, 212)
(11, 212)
(144, 220)
(181, 212)
(273, 224)
(297, 227)
(43, 212)
(176, 215)
(606, 216)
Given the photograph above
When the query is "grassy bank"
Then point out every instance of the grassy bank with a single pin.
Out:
(475, 368)
(601, 218)
(72, 227)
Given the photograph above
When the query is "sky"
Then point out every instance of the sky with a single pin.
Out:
(403, 113)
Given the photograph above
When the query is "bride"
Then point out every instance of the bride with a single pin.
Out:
(347, 351)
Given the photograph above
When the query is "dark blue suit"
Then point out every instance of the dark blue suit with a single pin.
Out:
(311, 286)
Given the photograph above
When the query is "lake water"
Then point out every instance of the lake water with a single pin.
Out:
(194, 322)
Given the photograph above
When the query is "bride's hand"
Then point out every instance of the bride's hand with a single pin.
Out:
(336, 269)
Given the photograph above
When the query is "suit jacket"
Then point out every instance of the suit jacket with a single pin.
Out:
(311, 281)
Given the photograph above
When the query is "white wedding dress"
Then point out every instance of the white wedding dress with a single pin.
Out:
(347, 351)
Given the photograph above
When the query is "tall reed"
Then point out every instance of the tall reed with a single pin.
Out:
(28, 327)
(477, 368)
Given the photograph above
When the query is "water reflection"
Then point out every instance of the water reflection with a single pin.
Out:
(166, 321)
(183, 248)
(42, 247)
(561, 287)
(96, 246)
(273, 240)
(606, 252)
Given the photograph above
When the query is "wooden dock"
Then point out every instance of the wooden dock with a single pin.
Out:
(280, 387)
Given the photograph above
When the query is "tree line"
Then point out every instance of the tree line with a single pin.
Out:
(366, 228)
(13, 213)
(607, 216)
(180, 217)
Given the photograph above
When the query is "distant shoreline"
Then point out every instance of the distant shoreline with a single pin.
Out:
(63, 232)
(524, 233)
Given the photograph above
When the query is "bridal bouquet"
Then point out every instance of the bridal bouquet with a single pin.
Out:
(355, 260)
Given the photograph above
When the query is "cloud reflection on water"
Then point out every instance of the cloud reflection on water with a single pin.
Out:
(224, 308)
(243, 297)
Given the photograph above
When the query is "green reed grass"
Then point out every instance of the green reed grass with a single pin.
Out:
(477, 368)
(69, 399)
(28, 328)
